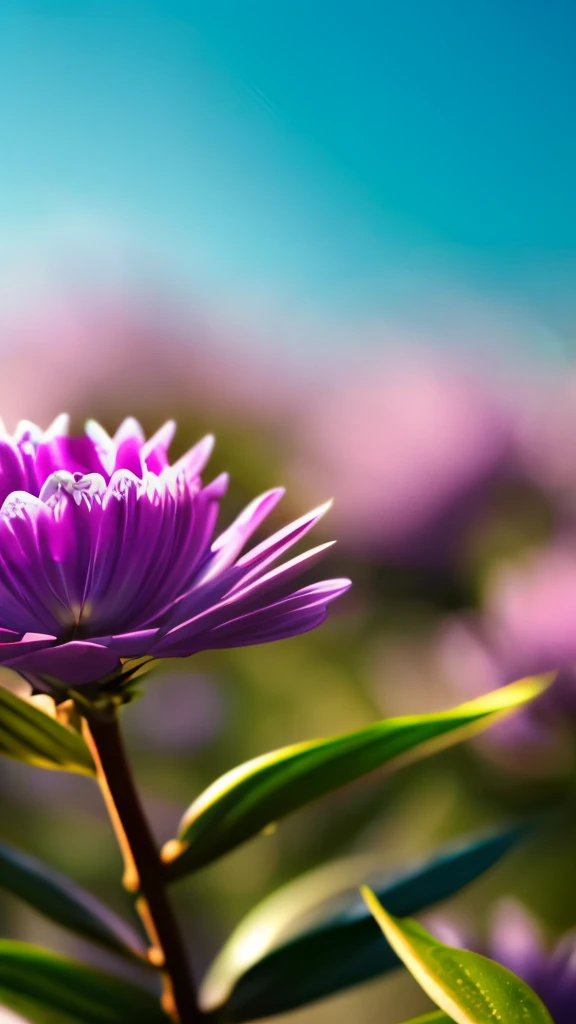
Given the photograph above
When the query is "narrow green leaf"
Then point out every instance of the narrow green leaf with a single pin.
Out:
(63, 901)
(255, 795)
(468, 987)
(49, 989)
(436, 1017)
(315, 936)
(28, 734)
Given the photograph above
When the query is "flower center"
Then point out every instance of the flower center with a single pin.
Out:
(75, 484)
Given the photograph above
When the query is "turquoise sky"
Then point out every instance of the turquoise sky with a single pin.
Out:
(366, 159)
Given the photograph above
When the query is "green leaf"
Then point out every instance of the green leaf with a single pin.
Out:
(436, 1017)
(49, 989)
(28, 734)
(316, 936)
(255, 795)
(468, 987)
(63, 901)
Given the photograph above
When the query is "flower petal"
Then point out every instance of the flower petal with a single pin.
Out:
(74, 454)
(60, 426)
(32, 598)
(74, 663)
(13, 476)
(154, 453)
(29, 643)
(193, 462)
(129, 645)
(228, 545)
(26, 430)
(226, 622)
(273, 547)
(128, 456)
(8, 636)
(103, 444)
(271, 582)
(129, 428)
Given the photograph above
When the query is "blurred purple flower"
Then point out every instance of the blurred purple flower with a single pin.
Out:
(528, 626)
(106, 554)
(408, 452)
(515, 941)
(530, 611)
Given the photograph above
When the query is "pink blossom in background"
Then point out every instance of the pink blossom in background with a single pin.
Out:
(535, 741)
(528, 626)
(409, 448)
(545, 431)
(407, 451)
(100, 351)
(531, 610)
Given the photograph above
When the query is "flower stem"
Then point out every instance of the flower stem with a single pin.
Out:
(143, 869)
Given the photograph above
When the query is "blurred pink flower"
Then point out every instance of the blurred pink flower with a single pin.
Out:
(530, 611)
(407, 451)
(77, 351)
(545, 431)
(528, 626)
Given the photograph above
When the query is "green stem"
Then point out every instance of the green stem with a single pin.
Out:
(144, 871)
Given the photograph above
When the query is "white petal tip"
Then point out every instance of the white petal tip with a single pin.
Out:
(275, 494)
(217, 488)
(321, 510)
(202, 450)
(130, 427)
(166, 433)
(59, 426)
(95, 431)
(337, 588)
(322, 547)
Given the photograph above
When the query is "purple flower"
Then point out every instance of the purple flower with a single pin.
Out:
(515, 940)
(410, 451)
(107, 554)
(526, 627)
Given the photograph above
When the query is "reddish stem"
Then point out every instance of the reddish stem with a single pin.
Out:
(143, 869)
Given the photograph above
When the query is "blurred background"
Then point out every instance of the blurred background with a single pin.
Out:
(343, 239)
